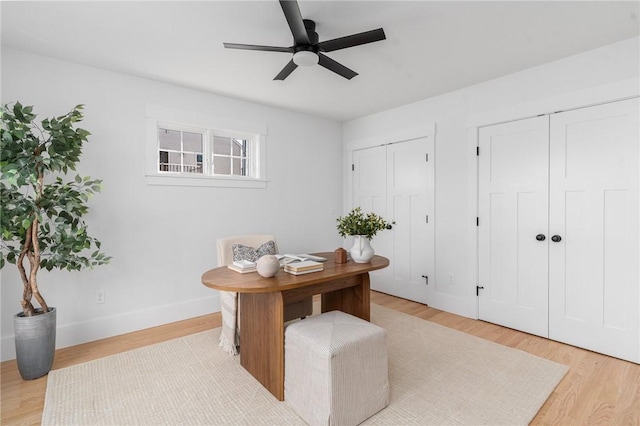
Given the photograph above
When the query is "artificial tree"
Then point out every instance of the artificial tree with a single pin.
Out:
(41, 218)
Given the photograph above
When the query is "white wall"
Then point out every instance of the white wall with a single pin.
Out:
(600, 75)
(162, 238)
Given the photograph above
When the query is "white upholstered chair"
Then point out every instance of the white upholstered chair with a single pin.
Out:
(229, 338)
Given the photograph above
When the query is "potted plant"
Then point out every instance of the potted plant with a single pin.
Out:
(41, 219)
(362, 228)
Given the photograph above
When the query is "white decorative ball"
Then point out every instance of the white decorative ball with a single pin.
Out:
(268, 265)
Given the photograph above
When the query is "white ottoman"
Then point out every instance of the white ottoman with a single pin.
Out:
(336, 369)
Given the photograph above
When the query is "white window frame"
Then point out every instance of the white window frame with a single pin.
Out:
(189, 121)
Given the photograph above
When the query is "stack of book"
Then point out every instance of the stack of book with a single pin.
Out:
(304, 267)
(243, 266)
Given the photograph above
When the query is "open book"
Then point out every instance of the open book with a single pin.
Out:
(288, 258)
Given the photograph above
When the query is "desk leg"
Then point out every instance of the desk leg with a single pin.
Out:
(262, 339)
(355, 300)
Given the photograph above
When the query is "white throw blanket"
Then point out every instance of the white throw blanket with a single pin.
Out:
(230, 335)
(229, 307)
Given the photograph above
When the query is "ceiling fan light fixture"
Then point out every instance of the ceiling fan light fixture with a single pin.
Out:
(305, 58)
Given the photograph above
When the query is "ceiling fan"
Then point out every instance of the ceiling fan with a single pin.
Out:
(306, 49)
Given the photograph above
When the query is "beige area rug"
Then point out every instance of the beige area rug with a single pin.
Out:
(438, 376)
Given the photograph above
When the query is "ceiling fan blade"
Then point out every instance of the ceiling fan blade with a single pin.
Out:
(257, 47)
(352, 40)
(295, 21)
(288, 69)
(336, 67)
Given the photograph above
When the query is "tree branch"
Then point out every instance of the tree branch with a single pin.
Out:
(27, 308)
(33, 282)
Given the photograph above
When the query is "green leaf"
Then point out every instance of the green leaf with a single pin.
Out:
(28, 152)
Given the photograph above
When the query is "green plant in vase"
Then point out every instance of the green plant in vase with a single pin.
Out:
(362, 227)
(41, 220)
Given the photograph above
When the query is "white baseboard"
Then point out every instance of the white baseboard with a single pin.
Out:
(101, 328)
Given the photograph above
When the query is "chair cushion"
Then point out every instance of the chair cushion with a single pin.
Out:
(242, 252)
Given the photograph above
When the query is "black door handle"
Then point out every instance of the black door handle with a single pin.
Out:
(556, 238)
(540, 237)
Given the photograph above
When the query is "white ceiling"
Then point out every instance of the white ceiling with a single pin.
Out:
(431, 47)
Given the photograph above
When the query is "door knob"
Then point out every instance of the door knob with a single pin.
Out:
(556, 238)
(540, 237)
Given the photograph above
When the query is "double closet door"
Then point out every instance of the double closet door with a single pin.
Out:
(396, 182)
(559, 227)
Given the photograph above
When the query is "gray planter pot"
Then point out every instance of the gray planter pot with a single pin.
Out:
(35, 343)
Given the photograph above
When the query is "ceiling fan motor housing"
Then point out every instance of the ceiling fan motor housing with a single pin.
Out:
(306, 49)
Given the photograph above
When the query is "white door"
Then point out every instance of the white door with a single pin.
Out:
(370, 180)
(513, 240)
(593, 268)
(402, 174)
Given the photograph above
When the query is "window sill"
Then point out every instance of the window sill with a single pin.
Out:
(210, 181)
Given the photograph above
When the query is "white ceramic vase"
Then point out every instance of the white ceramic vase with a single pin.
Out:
(361, 252)
(267, 266)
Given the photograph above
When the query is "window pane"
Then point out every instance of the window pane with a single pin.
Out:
(189, 159)
(237, 170)
(221, 146)
(192, 142)
(169, 139)
(222, 165)
(238, 147)
(164, 160)
(174, 162)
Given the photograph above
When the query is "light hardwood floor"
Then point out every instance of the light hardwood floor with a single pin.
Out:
(597, 389)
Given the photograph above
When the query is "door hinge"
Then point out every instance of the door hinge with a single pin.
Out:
(477, 150)
(426, 277)
(478, 288)
(427, 217)
(353, 167)
(426, 157)
(477, 221)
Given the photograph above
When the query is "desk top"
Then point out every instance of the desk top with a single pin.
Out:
(225, 279)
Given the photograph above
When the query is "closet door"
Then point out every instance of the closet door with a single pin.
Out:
(513, 210)
(593, 266)
(396, 181)
(410, 205)
(370, 180)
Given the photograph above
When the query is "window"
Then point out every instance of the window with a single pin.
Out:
(180, 151)
(199, 153)
(229, 156)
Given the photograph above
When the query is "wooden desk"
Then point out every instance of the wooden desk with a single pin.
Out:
(343, 287)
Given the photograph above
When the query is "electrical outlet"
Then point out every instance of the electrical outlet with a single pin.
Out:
(452, 279)
(100, 297)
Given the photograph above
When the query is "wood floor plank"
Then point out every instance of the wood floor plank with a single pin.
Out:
(597, 390)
